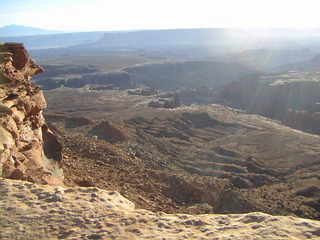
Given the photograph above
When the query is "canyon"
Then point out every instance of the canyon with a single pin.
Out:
(102, 156)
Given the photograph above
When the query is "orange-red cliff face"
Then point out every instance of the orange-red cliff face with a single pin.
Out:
(21, 56)
(29, 150)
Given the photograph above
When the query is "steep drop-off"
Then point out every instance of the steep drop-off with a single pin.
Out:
(189, 74)
(292, 98)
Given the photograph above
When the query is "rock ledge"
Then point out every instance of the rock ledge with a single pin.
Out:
(31, 211)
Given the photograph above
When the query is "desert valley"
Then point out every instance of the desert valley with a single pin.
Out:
(160, 134)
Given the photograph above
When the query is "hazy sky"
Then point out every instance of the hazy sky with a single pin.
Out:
(88, 15)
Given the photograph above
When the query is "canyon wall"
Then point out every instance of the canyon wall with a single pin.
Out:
(293, 101)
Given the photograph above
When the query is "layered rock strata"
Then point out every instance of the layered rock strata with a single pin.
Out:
(29, 150)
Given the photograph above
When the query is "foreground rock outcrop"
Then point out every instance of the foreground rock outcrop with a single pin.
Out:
(30, 211)
(29, 150)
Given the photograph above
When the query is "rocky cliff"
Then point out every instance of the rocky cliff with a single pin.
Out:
(189, 74)
(29, 150)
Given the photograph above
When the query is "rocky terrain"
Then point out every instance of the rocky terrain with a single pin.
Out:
(104, 71)
(188, 74)
(291, 97)
(30, 211)
(252, 163)
(135, 71)
(172, 162)
(29, 150)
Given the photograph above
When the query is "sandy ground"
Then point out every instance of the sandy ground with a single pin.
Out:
(30, 211)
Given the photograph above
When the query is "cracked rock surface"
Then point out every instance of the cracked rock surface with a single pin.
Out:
(31, 211)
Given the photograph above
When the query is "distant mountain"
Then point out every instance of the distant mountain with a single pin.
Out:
(178, 44)
(219, 37)
(262, 49)
(61, 40)
(172, 38)
(18, 30)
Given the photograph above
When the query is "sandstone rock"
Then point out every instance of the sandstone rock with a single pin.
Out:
(17, 174)
(52, 147)
(21, 56)
(23, 136)
(47, 212)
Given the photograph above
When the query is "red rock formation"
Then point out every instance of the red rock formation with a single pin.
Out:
(21, 56)
(24, 152)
